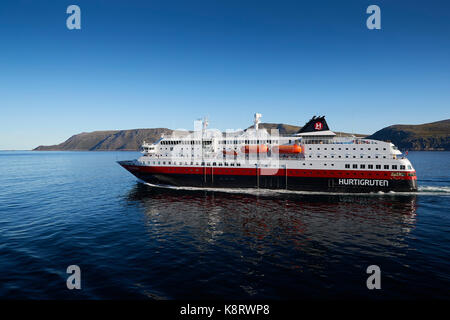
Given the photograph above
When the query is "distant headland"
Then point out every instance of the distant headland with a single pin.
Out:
(428, 136)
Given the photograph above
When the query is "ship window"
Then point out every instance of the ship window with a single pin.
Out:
(394, 166)
(355, 166)
(214, 163)
(376, 148)
(354, 156)
(346, 148)
(361, 157)
(378, 166)
(346, 156)
(384, 157)
(362, 166)
(368, 148)
(310, 164)
(164, 162)
(354, 148)
(409, 167)
(368, 157)
(324, 148)
(384, 149)
(332, 164)
(370, 166)
(386, 166)
(402, 167)
(332, 148)
(324, 164)
(339, 156)
(318, 148)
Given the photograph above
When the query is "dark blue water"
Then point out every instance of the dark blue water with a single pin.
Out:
(133, 241)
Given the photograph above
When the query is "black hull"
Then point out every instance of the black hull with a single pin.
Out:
(272, 182)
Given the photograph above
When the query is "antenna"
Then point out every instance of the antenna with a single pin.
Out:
(205, 123)
(257, 120)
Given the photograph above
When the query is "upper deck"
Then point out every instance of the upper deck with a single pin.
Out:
(320, 150)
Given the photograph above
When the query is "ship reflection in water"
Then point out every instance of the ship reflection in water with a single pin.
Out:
(278, 245)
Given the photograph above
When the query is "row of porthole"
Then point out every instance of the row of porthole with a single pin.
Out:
(347, 149)
(354, 157)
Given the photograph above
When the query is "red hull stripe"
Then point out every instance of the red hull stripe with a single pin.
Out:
(316, 173)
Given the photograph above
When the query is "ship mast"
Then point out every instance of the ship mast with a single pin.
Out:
(257, 120)
(204, 126)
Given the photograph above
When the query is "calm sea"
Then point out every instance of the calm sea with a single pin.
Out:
(133, 241)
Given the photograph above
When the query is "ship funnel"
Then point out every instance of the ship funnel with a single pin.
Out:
(314, 125)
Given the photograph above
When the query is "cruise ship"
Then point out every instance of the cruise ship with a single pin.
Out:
(312, 159)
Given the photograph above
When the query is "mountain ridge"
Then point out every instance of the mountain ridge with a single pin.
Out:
(421, 137)
(428, 136)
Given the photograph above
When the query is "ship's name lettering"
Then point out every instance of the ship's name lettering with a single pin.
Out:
(364, 182)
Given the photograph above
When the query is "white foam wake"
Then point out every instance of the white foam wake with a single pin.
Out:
(434, 189)
(423, 190)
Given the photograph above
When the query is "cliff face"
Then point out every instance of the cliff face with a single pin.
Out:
(428, 136)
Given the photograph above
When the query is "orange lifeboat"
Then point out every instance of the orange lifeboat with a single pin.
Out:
(262, 148)
(230, 152)
(287, 149)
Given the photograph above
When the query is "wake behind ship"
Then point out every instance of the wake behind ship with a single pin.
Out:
(313, 159)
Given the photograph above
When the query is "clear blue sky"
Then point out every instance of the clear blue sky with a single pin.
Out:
(143, 64)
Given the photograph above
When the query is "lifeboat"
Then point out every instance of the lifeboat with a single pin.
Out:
(230, 152)
(262, 148)
(287, 149)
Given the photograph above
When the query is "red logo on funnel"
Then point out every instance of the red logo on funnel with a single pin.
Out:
(318, 126)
